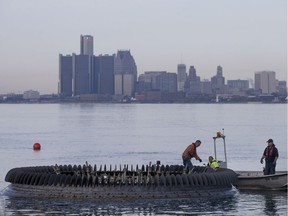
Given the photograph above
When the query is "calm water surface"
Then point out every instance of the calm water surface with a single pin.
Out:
(137, 134)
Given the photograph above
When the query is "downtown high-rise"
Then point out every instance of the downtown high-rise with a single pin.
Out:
(86, 73)
(125, 71)
(86, 45)
(181, 77)
(65, 76)
(265, 82)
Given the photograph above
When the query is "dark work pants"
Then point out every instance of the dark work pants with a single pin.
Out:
(187, 161)
(269, 168)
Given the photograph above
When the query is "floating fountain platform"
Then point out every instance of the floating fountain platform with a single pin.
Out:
(143, 182)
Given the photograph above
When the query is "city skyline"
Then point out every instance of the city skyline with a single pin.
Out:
(243, 37)
(114, 77)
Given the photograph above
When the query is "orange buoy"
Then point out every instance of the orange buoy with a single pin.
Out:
(36, 146)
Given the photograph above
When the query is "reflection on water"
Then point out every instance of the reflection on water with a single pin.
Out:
(269, 202)
(270, 205)
(243, 203)
(23, 206)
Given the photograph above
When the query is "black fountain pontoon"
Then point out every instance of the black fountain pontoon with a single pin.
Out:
(145, 182)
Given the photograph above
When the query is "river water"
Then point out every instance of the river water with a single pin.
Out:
(138, 134)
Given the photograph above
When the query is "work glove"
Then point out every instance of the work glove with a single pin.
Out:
(200, 160)
(261, 161)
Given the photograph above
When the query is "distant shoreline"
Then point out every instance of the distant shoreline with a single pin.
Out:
(113, 102)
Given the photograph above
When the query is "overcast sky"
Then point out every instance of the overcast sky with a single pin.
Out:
(243, 36)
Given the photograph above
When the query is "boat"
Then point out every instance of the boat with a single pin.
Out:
(256, 180)
(253, 180)
(145, 182)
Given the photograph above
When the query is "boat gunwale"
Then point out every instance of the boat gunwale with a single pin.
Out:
(250, 174)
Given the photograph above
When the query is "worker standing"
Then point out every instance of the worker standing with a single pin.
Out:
(189, 153)
(271, 155)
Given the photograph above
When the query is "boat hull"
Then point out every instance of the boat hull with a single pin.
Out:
(254, 180)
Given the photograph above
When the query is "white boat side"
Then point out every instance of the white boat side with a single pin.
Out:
(257, 180)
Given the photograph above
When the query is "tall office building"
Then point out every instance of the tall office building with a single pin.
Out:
(103, 74)
(65, 76)
(192, 74)
(74, 74)
(194, 81)
(125, 70)
(75, 71)
(282, 88)
(81, 70)
(206, 87)
(218, 81)
(181, 76)
(86, 45)
(265, 81)
(159, 81)
(102, 78)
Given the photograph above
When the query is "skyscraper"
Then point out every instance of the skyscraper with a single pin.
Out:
(218, 81)
(125, 70)
(181, 76)
(86, 45)
(65, 76)
(82, 66)
(102, 78)
(265, 81)
(192, 74)
(194, 81)
(81, 70)
(104, 74)
(158, 81)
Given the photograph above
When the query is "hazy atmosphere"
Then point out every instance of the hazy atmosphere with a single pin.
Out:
(243, 36)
